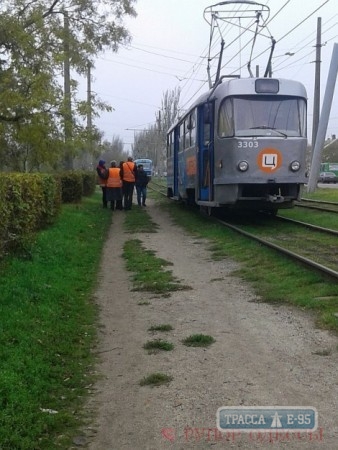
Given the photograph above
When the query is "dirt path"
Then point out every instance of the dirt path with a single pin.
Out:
(263, 354)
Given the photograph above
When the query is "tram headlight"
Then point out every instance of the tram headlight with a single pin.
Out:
(295, 166)
(243, 166)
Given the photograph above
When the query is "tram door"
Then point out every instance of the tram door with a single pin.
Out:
(206, 152)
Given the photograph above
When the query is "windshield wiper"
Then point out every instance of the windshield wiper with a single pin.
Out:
(264, 127)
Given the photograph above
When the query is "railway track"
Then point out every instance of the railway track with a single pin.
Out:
(158, 187)
(305, 247)
(311, 245)
(308, 225)
(318, 205)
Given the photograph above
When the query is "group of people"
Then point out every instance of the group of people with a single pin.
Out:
(118, 182)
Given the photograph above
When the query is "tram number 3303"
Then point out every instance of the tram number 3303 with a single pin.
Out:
(247, 144)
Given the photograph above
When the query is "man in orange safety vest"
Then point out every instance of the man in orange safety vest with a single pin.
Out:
(128, 176)
(114, 187)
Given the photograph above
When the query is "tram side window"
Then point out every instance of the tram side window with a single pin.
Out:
(181, 137)
(192, 123)
(225, 119)
(302, 116)
(187, 133)
(170, 145)
(206, 134)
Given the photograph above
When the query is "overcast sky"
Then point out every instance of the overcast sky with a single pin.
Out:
(169, 49)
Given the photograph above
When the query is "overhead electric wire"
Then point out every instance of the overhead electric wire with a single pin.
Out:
(188, 78)
(303, 47)
(278, 12)
(158, 54)
(141, 68)
(290, 31)
(301, 23)
(163, 49)
(267, 49)
(245, 29)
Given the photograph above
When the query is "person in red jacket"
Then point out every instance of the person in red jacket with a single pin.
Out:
(114, 187)
(102, 176)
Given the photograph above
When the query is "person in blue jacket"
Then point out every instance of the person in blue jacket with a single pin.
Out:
(141, 182)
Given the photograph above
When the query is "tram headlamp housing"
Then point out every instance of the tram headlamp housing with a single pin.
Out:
(295, 166)
(243, 166)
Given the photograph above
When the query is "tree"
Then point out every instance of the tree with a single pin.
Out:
(330, 151)
(112, 151)
(33, 45)
(169, 108)
(151, 143)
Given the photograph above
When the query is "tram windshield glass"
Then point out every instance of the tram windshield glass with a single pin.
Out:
(146, 163)
(262, 116)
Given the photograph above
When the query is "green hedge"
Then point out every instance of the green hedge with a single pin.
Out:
(29, 202)
(71, 186)
(89, 183)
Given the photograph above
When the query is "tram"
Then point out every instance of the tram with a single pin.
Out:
(147, 165)
(242, 144)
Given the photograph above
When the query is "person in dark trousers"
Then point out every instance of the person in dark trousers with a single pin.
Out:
(141, 183)
(114, 187)
(128, 176)
(102, 180)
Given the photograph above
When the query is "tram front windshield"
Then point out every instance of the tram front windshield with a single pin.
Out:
(262, 116)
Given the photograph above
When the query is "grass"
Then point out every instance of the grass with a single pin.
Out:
(158, 344)
(156, 379)
(275, 278)
(198, 340)
(148, 270)
(138, 221)
(47, 330)
(319, 218)
(328, 195)
(47, 317)
(162, 327)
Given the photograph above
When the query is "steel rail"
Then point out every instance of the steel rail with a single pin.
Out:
(326, 270)
(295, 256)
(316, 208)
(319, 201)
(309, 225)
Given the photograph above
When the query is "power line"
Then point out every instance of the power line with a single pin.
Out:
(141, 68)
(293, 29)
(162, 56)
(267, 49)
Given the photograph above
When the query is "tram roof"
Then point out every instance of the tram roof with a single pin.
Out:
(247, 86)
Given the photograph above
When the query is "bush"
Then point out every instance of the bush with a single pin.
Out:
(29, 202)
(89, 183)
(72, 186)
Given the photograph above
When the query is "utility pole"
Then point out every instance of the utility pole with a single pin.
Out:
(316, 95)
(68, 159)
(324, 119)
(89, 151)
